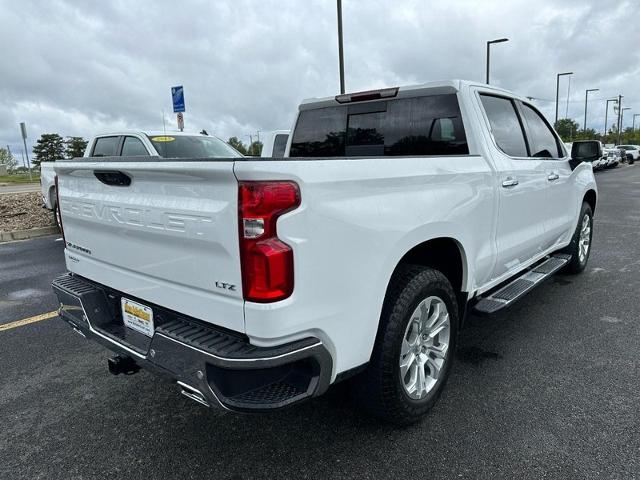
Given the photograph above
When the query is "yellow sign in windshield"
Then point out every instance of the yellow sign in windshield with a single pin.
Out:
(162, 139)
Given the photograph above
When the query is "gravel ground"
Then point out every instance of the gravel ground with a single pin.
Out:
(22, 211)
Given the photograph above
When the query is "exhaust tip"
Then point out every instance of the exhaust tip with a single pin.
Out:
(192, 393)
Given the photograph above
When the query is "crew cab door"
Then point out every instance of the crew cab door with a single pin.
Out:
(561, 203)
(522, 186)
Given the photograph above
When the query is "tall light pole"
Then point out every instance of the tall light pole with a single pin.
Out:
(23, 131)
(558, 89)
(340, 47)
(622, 115)
(489, 43)
(586, 98)
(634, 121)
(618, 122)
(606, 113)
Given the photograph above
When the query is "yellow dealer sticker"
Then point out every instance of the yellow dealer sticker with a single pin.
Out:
(137, 317)
(163, 139)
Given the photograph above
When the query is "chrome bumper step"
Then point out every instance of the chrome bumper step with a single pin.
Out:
(212, 366)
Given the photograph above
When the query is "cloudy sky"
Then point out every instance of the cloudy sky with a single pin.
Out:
(80, 68)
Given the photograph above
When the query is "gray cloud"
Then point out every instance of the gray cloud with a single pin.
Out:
(79, 68)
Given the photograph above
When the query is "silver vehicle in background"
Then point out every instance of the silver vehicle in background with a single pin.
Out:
(613, 156)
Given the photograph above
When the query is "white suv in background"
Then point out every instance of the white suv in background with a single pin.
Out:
(632, 152)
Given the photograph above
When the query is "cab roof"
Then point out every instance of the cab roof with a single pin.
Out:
(430, 88)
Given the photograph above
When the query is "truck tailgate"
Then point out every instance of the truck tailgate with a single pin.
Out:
(169, 237)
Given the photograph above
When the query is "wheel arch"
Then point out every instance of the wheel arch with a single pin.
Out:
(591, 198)
(52, 197)
(444, 254)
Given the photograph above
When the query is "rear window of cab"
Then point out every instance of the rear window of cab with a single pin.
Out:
(427, 125)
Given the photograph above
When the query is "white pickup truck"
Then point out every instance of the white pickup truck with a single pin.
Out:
(257, 283)
(139, 144)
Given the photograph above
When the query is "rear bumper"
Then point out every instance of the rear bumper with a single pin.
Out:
(212, 366)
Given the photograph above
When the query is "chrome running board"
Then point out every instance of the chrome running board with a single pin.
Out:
(519, 286)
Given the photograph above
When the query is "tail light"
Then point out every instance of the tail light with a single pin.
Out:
(57, 210)
(267, 262)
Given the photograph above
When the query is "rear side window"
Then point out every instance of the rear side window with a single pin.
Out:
(505, 125)
(430, 125)
(280, 145)
(542, 140)
(133, 147)
(106, 147)
(320, 133)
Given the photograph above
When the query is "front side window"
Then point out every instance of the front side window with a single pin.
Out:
(505, 125)
(542, 140)
(133, 147)
(427, 125)
(106, 147)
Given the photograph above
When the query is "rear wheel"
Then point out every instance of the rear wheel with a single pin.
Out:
(580, 246)
(414, 348)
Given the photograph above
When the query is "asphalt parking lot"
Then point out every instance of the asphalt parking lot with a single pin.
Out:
(549, 389)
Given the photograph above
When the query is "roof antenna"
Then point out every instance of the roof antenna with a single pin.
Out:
(204, 132)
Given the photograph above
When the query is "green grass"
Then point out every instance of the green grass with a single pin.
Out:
(20, 178)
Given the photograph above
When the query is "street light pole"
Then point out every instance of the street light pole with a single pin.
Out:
(558, 90)
(340, 47)
(634, 121)
(489, 43)
(23, 131)
(622, 115)
(586, 98)
(606, 113)
(619, 111)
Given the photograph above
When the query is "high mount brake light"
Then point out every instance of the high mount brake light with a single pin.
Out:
(368, 95)
(57, 209)
(266, 261)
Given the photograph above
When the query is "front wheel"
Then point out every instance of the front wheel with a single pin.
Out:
(580, 246)
(414, 348)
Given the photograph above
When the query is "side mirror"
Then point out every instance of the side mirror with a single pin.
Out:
(586, 151)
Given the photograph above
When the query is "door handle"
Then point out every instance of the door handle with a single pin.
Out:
(509, 182)
(553, 176)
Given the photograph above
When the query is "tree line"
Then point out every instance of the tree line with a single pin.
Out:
(49, 148)
(569, 131)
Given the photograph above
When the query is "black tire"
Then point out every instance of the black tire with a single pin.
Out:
(576, 265)
(379, 389)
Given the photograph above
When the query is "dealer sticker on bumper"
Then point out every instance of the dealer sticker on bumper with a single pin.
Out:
(137, 317)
